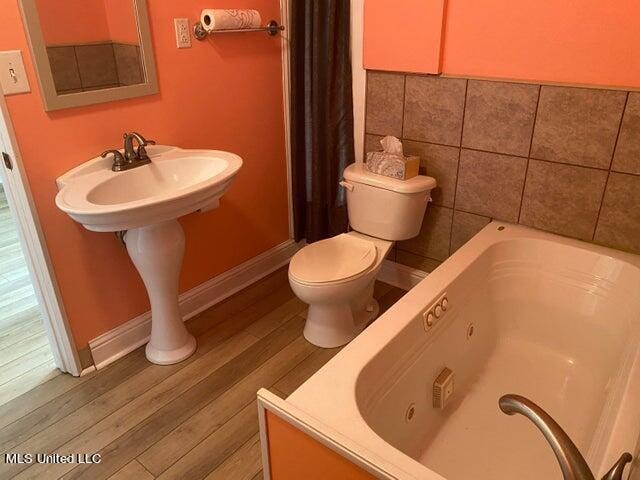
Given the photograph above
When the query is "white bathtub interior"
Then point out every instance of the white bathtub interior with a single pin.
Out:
(555, 323)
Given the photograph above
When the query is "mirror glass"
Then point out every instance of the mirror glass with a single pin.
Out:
(91, 44)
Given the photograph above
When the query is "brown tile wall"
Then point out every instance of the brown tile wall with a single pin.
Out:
(561, 159)
(78, 68)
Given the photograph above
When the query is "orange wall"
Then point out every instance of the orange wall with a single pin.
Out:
(72, 21)
(224, 93)
(393, 30)
(84, 21)
(309, 460)
(121, 21)
(595, 42)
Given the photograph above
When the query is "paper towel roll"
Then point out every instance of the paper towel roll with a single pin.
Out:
(232, 19)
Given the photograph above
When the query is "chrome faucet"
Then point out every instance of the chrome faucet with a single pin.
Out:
(572, 463)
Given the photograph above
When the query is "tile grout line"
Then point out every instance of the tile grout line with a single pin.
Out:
(366, 112)
(585, 167)
(606, 182)
(526, 171)
(513, 81)
(404, 100)
(588, 167)
(455, 191)
(620, 122)
(404, 108)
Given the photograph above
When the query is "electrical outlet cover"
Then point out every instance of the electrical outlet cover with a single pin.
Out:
(183, 35)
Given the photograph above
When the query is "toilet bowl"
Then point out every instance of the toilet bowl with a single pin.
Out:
(336, 276)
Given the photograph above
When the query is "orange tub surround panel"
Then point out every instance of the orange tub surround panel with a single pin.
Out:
(289, 452)
(591, 43)
(403, 36)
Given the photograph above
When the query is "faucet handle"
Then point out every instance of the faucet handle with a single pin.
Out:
(142, 152)
(143, 141)
(118, 160)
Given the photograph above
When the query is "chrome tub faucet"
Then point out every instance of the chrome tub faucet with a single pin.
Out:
(572, 463)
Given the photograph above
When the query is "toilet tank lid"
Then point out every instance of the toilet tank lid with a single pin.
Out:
(357, 173)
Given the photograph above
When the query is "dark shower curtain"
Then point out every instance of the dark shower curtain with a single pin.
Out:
(321, 115)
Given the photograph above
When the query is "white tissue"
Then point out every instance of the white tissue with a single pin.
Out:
(390, 162)
(391, 144)
(231, 19)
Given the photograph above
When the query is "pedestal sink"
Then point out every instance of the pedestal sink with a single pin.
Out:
(145, 202)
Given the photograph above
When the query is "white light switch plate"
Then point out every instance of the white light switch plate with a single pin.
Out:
(13, 78)
(183, 35)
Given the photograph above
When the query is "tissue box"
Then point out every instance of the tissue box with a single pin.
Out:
(393, 165)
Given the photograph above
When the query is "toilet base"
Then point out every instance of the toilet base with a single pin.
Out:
(334, 325)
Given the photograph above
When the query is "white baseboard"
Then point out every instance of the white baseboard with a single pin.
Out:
(400, 275)
(116, 343)
(87, 371)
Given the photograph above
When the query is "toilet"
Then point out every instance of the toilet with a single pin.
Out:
(336, 276)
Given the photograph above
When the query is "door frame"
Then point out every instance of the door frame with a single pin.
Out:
(35, 251)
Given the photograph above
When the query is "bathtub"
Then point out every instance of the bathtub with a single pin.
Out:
(553, 319)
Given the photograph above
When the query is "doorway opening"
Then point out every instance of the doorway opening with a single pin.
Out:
(26, 359)
(36, 343)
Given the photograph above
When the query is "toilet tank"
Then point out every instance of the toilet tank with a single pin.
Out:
(385, 207)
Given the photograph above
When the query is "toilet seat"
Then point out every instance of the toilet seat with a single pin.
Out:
(333, 260)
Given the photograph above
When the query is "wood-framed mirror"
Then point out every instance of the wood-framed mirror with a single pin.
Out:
(90, 51)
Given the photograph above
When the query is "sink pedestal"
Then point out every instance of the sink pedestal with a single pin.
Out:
(157, 252)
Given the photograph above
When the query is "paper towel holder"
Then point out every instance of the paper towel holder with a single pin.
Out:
(272, 28)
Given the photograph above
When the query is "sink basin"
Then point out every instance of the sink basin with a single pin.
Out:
(175, 183)
(145, 202)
